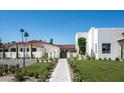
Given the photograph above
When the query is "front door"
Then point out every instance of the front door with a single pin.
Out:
(63, 54)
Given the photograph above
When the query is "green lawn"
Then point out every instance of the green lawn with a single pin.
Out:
(37, 67)
(100, 71)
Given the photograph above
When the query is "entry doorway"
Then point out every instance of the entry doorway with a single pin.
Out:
(63, 54)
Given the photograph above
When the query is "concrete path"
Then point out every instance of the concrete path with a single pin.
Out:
(61, 72)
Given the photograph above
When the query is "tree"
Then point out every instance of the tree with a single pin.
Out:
(26, 35)
(51, 41)
(82, 45)
(22, 32)
(31, 51)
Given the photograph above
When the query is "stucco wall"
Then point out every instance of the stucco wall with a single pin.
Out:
(110, 35)
(53, 51)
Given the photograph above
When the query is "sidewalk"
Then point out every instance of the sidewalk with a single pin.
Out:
(61, 72)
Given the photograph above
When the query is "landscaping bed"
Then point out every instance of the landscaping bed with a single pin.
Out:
(38, 72)
(97, 71)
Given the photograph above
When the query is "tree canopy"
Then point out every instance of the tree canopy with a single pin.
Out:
(82, 45)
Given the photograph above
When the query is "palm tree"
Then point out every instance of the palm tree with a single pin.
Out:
(26, 35)
(22, 31)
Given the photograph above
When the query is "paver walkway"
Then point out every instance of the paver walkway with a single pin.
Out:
(61, 72)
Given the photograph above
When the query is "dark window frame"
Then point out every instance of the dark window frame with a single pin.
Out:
(13, 49)
(27, 49)
(106, 48)
(34, 49)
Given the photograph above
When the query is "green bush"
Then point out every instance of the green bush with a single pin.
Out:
(78, 77)
(19, 76)
(105, 59)
(51, 59)
(117, 59)
(100, 58)
(88, 58)
(17, 66)
(36, 75)
(12, 69)
(109, 59)
(30, 74)
(1, 72)
(6, 68)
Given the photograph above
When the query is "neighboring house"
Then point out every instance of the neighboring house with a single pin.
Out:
(67, 51)
(39, 48)
(103, 42)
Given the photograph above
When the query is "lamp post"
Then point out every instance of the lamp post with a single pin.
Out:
(22, 31)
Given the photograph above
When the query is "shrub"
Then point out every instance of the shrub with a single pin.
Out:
(78, 77)
(37, 60)
(30, 74)
(6, 69)
(100, 58)
(1, 72)
(12, 69)
(51, 59)
(88, 57)
(36, 75)
(19, 76)
(109, 59)
(17, 66)
(117, 59)
(105, 59)
(42, 60)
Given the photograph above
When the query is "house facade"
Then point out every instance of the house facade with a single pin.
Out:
(103, 42)
(67, 51)
(35, 49)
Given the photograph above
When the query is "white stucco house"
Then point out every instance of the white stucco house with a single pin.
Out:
(39, 49)
(103, 42)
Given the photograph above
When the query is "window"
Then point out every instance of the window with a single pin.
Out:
(13, 50)
(21, 50)
(27, 49)
(33, 49)
(6, 50)
(1, 50)
(106, 48)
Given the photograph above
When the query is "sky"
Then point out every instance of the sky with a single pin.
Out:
(60, 25)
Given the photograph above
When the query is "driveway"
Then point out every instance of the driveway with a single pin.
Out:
(17, 61)
(61, 72)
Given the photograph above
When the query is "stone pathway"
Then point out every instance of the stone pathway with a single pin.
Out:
(61, 72)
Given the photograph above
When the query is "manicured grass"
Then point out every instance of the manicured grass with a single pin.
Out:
(37, 67)
(100, 71)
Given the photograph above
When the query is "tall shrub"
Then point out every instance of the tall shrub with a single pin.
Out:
(82, 45)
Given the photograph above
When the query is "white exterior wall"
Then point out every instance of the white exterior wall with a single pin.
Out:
(53, 51)
(97, 36)
(37, 54)
(110, 35)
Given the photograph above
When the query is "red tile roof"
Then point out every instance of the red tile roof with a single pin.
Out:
(121, 40)
(66, 46)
